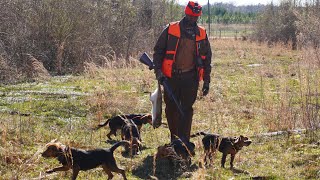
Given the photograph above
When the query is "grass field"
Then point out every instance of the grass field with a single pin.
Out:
(229, 30)
(255, 89)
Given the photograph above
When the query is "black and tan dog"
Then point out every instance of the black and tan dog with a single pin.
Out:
(232, 145)
(130, 132)
(226, 145)
(210, 144)
(78, 159)
(117, 122)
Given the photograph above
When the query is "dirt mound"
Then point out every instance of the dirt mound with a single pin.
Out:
(35, 69)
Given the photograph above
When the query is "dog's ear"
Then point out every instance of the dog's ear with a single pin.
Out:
(146, 117)
(243, 138)
(61, 147)
(143, 116)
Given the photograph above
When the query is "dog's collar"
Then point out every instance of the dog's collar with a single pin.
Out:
(66, 155)
(234, 145)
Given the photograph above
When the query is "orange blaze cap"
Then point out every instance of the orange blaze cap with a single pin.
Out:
(193, 9)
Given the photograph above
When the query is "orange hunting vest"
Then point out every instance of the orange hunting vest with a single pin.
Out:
(172, 46)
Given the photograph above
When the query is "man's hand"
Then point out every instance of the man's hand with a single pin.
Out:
(159, 75)
(205, 88)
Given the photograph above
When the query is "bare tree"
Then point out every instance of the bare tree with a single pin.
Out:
(65, 34)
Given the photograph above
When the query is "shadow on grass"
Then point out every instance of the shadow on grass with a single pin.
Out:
(239, 171)
(162, 169)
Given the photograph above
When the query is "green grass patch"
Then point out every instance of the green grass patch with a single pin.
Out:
(254, 89)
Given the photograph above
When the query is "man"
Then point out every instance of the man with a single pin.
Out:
(182, 54)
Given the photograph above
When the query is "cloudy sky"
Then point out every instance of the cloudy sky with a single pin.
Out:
(235, 2)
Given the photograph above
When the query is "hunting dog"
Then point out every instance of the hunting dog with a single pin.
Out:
(177, 151)
(210, 144)
(226, 145)
(130, 132)
(78, 159)
(186, 151)
(232, 145)
(117, 122)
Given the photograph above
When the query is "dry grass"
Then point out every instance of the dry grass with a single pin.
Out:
(254, 89)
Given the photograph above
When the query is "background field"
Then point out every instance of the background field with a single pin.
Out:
(255, 89)
(229, 30)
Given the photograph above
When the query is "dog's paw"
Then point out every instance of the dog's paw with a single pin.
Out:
(49, 171)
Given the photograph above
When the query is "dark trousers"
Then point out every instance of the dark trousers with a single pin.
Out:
(184, 87)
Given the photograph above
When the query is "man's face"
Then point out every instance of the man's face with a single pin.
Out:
(192, 19)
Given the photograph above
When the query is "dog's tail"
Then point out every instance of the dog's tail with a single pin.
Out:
(102, 125)
(121, 143)
(198, 134)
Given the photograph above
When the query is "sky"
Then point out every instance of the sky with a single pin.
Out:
(235, 2)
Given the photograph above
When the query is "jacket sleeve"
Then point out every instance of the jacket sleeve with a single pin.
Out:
(160, 49)
(207, 62)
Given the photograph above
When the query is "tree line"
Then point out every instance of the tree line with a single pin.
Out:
(292, 22)
(61, 36)
(227, 13)
(64, 34)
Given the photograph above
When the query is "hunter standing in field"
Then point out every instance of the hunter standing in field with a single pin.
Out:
(182, 54)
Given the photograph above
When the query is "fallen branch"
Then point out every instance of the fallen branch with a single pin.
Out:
(278, 133)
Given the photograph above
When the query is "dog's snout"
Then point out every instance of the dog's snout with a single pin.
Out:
(248, 142)
(44, 154)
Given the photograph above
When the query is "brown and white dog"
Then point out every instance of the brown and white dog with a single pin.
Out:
(78, 159)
